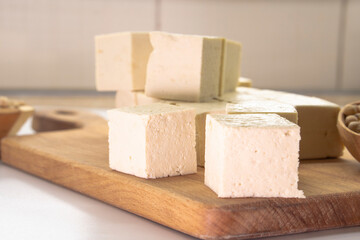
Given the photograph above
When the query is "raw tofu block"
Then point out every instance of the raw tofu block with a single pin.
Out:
(184, 67)
(263, 107)
(201, 110)
(121, 60)
(231, 66)
(152, 141)
(316, 117)
(244, 82)
(252, 155)
(129, 98)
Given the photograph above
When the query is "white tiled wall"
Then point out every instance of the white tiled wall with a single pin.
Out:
(351, 64)
(49, 43)
(287, 44)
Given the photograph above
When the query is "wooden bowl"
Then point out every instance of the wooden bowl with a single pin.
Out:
(12, 119)
(8, 118)
(350, 138)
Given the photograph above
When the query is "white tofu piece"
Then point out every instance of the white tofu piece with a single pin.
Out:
(129, 98)
(252, 155)
(201, 110)
(231, 66)
(184, 67)
(316, 117)
(244, 82)
(263, 107)
(121, 61)
(152, 141)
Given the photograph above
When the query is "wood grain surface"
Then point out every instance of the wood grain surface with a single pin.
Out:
(78, 159)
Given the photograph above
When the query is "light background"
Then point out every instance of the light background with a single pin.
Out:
(287, 44)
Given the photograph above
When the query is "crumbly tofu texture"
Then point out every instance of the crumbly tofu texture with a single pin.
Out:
(263, 107)
(316, 117)
(201, 110)
(121, 61)
(152, 141)
(252, 155)
(184, 67)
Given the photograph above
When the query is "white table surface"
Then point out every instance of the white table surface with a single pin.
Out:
(32, 208)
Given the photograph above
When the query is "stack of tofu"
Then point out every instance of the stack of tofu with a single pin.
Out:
(182, 104)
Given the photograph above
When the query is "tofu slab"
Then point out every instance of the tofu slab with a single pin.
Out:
(121, 61)
(316, 117)
(263, 107)
(152, 141)
(184, 67)
(252, 155)
(231, 66)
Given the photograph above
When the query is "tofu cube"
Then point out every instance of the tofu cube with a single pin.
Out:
(121, 60)
(263, 107)
(152, 141)
(184, 67)
(252, 155)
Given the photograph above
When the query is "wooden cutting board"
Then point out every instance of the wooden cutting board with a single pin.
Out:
(76, 157)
